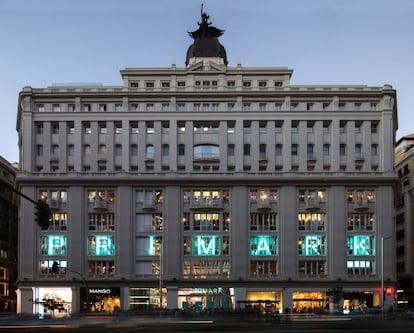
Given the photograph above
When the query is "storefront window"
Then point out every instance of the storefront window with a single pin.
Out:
(100, 299)
(309, 302)
(144, 298)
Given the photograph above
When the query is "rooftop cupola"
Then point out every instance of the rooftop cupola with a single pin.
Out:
(206, 43)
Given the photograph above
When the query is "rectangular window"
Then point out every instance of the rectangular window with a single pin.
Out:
(342, 149)
(149, 222)
(263, 221)
(71, 127)
(263, 268)
(118, 127)
(246, 149)
(180, 107)
(360, 267)
(246, 107)
(71, 150)
(40, 107)
(361, 245)
(55, 107)
(206, 245)
(134, 127)
(311, 221)
(230, 150)
(374, 149)
(39, 150)
(46, 266)
(101, 267)
(53, 245)
(312, 268)
(102, 128)
(101, 245)
(360, 222)
(294, 150)
(149, 107)
(263, 245)
(165, 107)
(278, 150)
(326, 149)
(312, 245)
(59, 222)
(133, 107)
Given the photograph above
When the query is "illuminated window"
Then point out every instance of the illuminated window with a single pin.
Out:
(101, 245)
(59, 221)
(101, 222)
(361, 245)
(360, 267)
(263, 245)
(263, 221)
(263, 195)
(99, 267)
(360, 222)
(46, 266)
(312, 268)
(101, 199)
(206, 221)
(311, 221)
(312, 197)
(206, 245)
(263, 268)
(52, 245)
(312, 245)
(361, 196)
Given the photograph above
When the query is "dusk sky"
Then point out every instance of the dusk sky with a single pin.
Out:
(361, 42)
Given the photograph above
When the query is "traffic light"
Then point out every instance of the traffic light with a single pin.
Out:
(42, 213)
(55, 267)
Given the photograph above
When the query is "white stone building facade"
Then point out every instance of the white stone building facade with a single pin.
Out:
(223, 187)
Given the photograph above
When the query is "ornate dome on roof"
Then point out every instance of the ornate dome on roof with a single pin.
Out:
(206, 43)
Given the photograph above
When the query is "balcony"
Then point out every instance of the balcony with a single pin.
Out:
(361, 205)
(206, 204)
(54, 204)
(100, 204)
(264, 205)
(312, 205)
(149, 205)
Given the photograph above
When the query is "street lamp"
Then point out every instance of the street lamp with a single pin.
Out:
(382, 272)
(161, 263)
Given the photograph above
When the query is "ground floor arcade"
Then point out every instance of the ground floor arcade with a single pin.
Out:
(67, 299)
